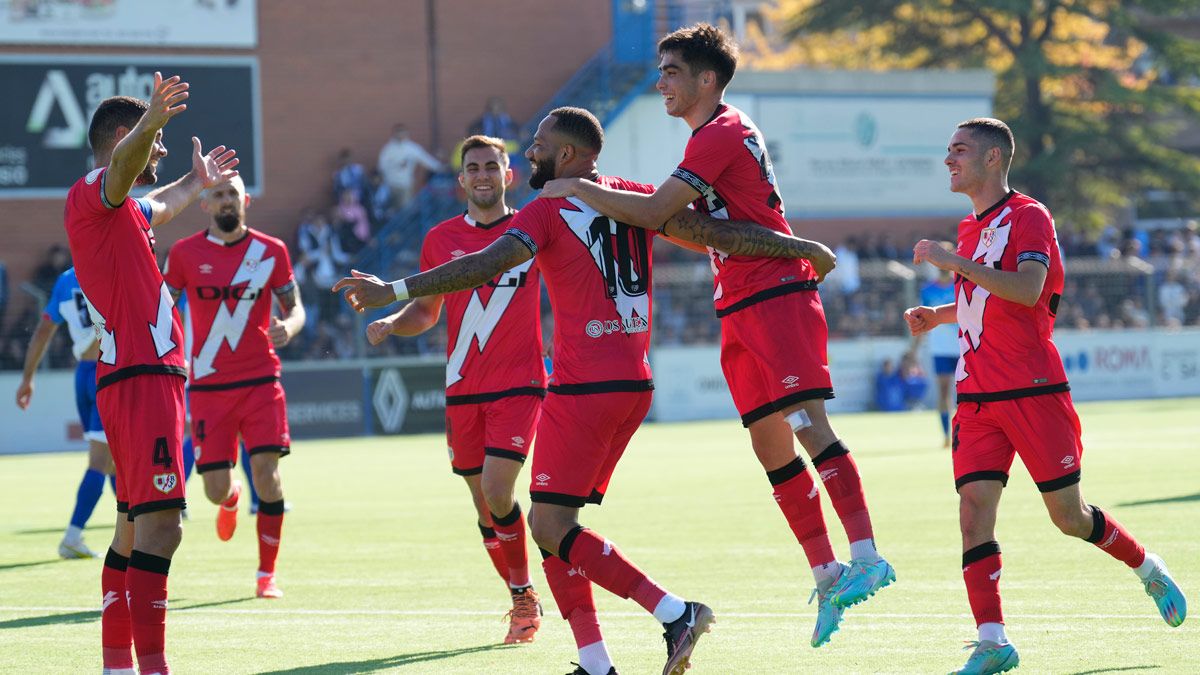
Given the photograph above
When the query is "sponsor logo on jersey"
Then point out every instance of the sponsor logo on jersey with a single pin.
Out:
(165, 482)
(629, 326)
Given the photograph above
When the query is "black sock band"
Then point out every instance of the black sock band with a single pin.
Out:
(545, 554)
(510, 519)
(271, 508)
(149, 562)
(980, 552)
(487, 532)
(1099, 524)
(116, 561)
(564, 548)
(836, 450)
(786, 472)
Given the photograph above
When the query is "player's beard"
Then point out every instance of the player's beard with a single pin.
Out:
(227, 222)
(147, 176)
(487, 201)
(543, 174)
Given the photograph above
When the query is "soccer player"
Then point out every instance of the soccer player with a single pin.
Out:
(495, 381)
(1013, 396)
(943, 342)
(67, 306)
(773, 331)
(598, 272)
(230, 273)
(140, 369)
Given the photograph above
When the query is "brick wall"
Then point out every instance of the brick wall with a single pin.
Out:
(337, 75)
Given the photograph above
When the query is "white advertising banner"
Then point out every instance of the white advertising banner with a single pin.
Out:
(130, 23)
(51, 424)
(1131, 364)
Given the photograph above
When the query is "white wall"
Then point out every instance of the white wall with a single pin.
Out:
(51, 420)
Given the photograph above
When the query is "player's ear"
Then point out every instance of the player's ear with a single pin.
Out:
(246, 201)
(121, 132)
(462, 179)
(508, 177)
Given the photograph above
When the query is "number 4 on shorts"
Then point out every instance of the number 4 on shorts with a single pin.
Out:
(162, 456)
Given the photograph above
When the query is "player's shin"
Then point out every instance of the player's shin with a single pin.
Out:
(510, 531)
(115, 631)
(573, 595)
(603, 563)
(839, 474)
(1111, 537)
(800, 502)
(981, 572)
(491, 544)
(270, 528)
(146, 586)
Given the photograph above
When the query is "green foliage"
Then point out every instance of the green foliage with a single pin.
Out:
(1088, 86)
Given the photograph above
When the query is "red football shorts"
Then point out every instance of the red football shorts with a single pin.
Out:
(143, 418)
(1044, 430)
(580, 439)
(501, 428)
(774, 354)
(257, 413)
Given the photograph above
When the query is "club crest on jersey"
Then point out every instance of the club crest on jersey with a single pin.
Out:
(250, 263)
(165, 482)
(987, 236)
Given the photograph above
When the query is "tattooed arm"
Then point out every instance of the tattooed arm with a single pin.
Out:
(459, 274)
(282, 330)
(748, 239)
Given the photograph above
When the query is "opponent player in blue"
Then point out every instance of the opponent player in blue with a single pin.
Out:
(68, 306)
(943, 342)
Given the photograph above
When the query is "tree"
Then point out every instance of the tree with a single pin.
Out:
(1088, 86)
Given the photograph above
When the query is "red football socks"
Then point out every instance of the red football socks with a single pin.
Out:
(116, 635)
(842, 482)
(604, 565)
(798, 499)
(146, 584)
(1111, 537)
(270, 528)
(981, 572)
(572, 592)
(510, 530)
(491, 544)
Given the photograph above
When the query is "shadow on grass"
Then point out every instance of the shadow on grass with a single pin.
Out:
(35, 563)
(1116, 670)
(215, 603)
(58, 530)
(1163, 500)
(52, 619)
(372, 665)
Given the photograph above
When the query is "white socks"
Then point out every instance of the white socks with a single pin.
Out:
(827, 574)
(669, 608)
(594, 658)
(864, 549)
(1148, 566)
(73, 534)
(993, 632)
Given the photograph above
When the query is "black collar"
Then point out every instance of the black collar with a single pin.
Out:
(721, 107)
(995, 206)
(487, 226)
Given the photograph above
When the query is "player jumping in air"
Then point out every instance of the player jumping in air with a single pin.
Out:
(230, 273)
(140, 370)
(598, 272)
(67, 306)
(1013, 397)
(495, 380)
(773, 331)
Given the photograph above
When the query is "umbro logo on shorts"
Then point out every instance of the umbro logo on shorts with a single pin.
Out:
(1068, 461)
(457, 253)
(542, 478)
(165, 482)
(790, 381)
(518, 441)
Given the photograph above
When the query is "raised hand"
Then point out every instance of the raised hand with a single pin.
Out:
(920, 319)
(214, 167)
(167, 100)
(365, 290)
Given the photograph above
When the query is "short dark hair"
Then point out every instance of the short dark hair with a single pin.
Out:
(994, 134)
(113, 112)
(481, 141)
(704, 47)
(581, 126)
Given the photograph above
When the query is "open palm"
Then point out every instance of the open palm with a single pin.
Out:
(214, 167)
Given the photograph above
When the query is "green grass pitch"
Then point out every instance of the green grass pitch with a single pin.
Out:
(384, 572)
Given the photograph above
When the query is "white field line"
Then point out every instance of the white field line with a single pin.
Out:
(491, 613)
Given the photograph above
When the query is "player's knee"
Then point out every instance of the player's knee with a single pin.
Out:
(547, 527)
(1073, 522)
(216, 489)
(158, 533)
(499, 496)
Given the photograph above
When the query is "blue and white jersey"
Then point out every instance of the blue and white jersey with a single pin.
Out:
(67, 305)
(943, 340)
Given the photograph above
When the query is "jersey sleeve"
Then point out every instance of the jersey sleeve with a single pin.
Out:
(428, 252)
(706, 157)
(283, 276)
(146, 208)
(533, 225)
(87, 197)
(62, 290)
(1034, 232)
(173, 270)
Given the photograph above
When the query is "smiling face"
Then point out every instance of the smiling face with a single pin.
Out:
(542, 154)
(679, 86)
(968, 159)
(484, 176)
